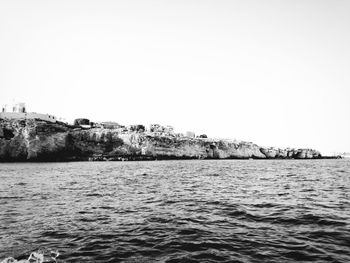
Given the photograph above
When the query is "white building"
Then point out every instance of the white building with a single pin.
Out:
(190, 134)
(18, 111)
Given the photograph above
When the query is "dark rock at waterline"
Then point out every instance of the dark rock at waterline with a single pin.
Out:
(35, 140)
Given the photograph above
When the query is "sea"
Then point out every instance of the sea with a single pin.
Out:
(177, 211)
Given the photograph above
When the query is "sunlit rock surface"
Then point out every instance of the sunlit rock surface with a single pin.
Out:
(34, 140)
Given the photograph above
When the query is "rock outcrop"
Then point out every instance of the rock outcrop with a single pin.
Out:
(35, 140)
(273, 153)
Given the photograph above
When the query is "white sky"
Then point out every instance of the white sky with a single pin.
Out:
(273, 72)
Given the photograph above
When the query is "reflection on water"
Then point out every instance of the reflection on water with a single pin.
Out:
(178, 211)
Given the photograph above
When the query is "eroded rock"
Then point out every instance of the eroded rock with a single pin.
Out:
(33, 140)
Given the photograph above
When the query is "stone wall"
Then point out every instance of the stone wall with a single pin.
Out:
(27, 115)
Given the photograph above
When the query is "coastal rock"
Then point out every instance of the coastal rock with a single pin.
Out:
(282, 154)
(306, 154)
(34, 140)
(270, 153)
(274, 153)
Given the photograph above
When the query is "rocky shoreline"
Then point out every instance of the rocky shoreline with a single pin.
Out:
(37, 140)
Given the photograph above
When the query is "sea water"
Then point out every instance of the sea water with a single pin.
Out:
(178, 211)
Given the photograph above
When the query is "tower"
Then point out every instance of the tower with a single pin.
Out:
(19, 108)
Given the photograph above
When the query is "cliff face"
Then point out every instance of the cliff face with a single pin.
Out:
(34, 140)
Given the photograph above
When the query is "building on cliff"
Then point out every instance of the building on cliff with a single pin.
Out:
(19, 111)
(109, 125)
(190, 134)
(156, 128)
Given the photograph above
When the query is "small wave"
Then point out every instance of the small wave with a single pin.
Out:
(265, 205)
(12, 197)
(94, 195)
(212, 175)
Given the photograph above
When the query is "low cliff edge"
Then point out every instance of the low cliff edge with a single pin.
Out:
(36, 140)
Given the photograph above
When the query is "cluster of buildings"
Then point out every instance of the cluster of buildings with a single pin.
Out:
(155, 129)
(161, 129)
(19, 111)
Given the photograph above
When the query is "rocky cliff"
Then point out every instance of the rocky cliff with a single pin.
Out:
(34, 140)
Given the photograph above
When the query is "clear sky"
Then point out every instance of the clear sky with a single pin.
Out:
(276, 73)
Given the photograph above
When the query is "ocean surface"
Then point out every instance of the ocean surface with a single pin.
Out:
(178, 211)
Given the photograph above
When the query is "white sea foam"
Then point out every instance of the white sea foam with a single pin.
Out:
(35, 257)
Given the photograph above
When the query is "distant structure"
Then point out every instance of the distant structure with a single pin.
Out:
(109, 125)
(82, 122)
(342, 155)
(156, 128)
(190, 134)
(19, 111)
(136, 128)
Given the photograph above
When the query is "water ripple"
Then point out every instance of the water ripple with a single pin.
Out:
(178, 211)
